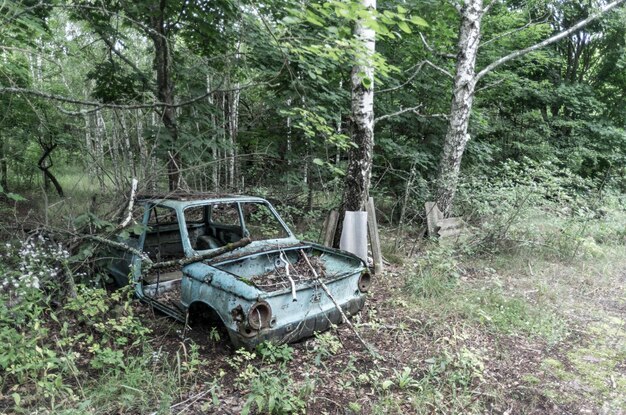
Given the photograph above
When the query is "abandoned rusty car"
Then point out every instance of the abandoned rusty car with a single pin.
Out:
(234, 261)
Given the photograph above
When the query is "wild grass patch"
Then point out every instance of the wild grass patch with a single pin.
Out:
(511, 315)
(434, 274)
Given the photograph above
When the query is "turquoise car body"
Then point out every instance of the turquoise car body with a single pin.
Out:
(230, 286)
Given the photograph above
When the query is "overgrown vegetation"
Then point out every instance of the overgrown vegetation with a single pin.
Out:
(524, 313)
(511, 320)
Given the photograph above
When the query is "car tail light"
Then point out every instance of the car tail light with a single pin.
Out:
(365, 280)
(260, 315)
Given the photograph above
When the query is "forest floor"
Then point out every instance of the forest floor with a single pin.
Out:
(512, 334)
(531, 328)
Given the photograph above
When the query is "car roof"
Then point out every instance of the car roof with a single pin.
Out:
(178, 200)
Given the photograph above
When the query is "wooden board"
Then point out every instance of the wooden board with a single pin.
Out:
(372, 226)
(433, 216)
(450, 227)
(330, 227)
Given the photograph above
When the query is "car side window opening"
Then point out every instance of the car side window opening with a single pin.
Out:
(213, 225)
(261, 223)
(163, 240)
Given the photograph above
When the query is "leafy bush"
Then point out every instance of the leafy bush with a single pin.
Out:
(270, 388)
(536, 208)
(54, 326)
(269, 352)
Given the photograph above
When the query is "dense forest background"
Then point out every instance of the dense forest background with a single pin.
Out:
(255, 98)
(510, 114)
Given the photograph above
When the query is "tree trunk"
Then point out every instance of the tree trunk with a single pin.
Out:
(233, 130)
(460, 111)
(44, 166)
(357, 180)
(165, 90)
(4, 169)
(464, 85)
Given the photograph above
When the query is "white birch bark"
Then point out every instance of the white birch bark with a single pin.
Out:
(465, 82)
(214, 144)
(359, 172)
(463, 95)
(233, 130)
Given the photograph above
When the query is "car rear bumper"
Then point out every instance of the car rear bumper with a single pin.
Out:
(293, 332)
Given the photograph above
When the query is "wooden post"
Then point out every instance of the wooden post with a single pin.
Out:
(372, 226)
(330, 228)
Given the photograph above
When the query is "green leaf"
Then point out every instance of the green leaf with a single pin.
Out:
(290, 20)
(317, 161)
(313, 18)
(367, 82)
(418, 21)
(404, 27)
(16, 197)
(17, 398)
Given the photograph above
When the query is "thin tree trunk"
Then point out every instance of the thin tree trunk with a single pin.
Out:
(464, 86)
(358, 175)
(44, 166)
(214, 151)
(233, 129)
(129, 153)
(4, 169)
(165, 90)
(460, 111)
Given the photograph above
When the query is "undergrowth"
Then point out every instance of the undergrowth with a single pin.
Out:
(73, 348)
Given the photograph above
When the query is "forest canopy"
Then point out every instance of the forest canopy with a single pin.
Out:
(242, 96)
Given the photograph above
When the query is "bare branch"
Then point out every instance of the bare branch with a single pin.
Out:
(418, 67)
(400, 112)
(436, 52)
(547, 41)
(498, 82)
(9, 19)
(458, 6)
(510, 32)
(131, 203)
(489, 6)
(201, 257)
(99, 105)
(144, 79)
(411, 109)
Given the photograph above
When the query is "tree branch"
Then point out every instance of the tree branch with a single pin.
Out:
(499, 81)
(144, 79)
(400, 112)
(411, 109)
(510, 32)
(436, 52)
(547, 41)
(99, 105)
(418, 67)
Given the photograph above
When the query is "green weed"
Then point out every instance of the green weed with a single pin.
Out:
(510, 315)
(434, 274)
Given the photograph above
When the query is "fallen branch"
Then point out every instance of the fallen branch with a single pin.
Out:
(149, 264)
(131, 203)
(118, 245)
(343, 315)
(197, 258)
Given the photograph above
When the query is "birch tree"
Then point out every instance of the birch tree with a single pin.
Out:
(357, 181)
(465, 80)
